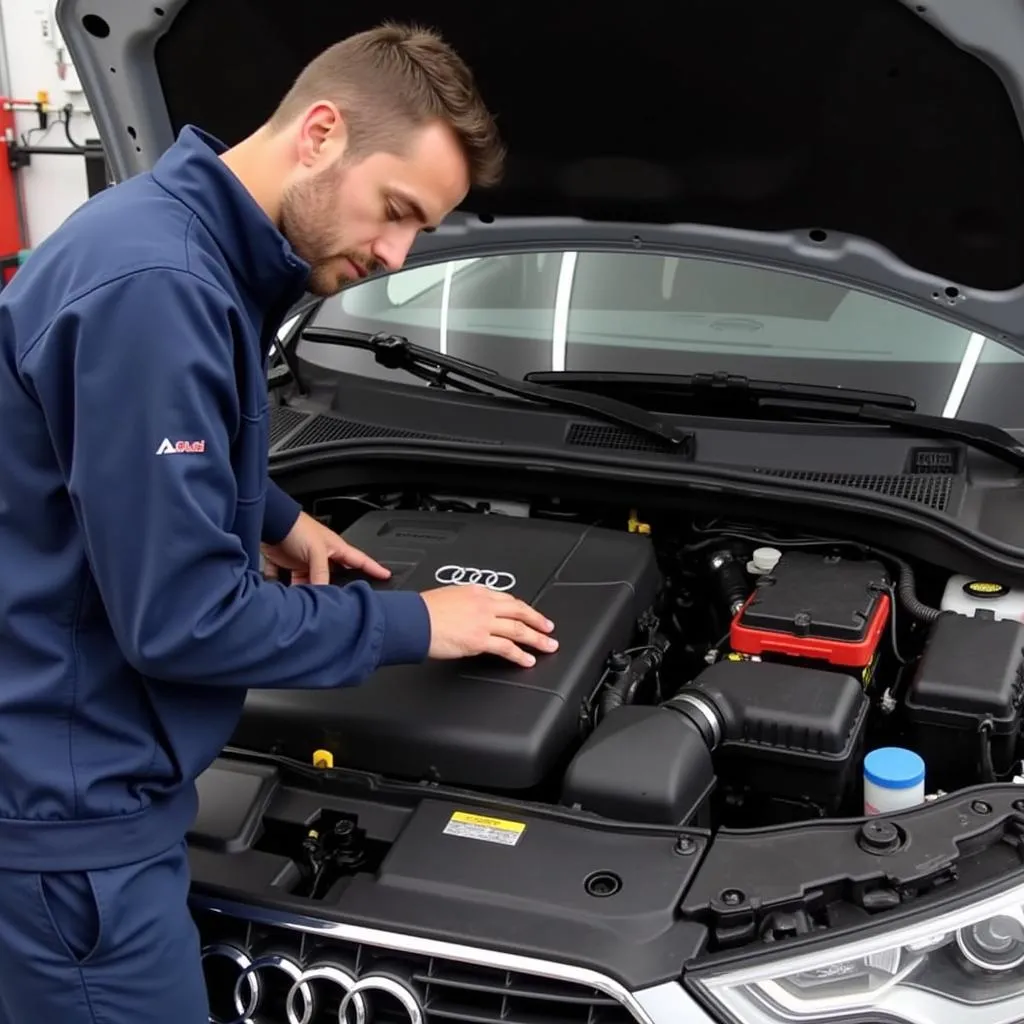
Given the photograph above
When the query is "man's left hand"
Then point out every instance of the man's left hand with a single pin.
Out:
(308, 551)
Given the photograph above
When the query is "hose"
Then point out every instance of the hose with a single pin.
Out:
(905, 588)
(908, 593)
(988, 771)
(615, 696)
(631, 672)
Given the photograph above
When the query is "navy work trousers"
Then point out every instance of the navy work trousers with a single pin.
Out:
(116, 946)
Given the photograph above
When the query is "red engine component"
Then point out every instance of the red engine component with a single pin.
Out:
(820, 608)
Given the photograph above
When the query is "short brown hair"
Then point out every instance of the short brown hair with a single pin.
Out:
(394, 78)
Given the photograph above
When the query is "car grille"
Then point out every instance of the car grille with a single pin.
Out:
(291, 975)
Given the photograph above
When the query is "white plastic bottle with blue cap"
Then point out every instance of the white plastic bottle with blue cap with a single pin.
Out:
(893, 780)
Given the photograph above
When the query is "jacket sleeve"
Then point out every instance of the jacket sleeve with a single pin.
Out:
(279, 514)
(151, 357)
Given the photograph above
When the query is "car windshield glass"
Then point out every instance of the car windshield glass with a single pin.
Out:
(636, 312)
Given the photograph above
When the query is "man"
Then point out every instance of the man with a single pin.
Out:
(133, 615)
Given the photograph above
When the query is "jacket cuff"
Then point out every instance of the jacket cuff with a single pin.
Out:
(280, 512)
(406, 635)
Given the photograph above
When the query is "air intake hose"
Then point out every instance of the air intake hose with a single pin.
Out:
(773, 704)
(695, 705)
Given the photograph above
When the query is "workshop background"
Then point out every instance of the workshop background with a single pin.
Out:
(45, 172)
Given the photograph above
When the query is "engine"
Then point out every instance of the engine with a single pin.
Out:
(705, 675)
(777, 718)
(480, 722)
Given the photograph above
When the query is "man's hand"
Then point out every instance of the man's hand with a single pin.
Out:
(308, 551)
(465, 621)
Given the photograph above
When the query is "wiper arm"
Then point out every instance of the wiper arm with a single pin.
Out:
(398, 353)
(796, 401)
(731, 386)
(986, 438)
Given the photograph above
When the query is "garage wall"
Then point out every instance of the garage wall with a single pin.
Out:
(52, 186)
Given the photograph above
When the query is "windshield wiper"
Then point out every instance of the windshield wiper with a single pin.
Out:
(986, 438)
(398, 353)
(708, 386)
(729, 393)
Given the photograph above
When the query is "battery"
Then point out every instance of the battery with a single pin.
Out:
(818, 607)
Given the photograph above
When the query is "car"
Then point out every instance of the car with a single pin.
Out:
(724, 377)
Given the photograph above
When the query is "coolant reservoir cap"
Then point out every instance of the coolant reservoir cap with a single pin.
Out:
(763, 560)
(894, 768)
(984, 588)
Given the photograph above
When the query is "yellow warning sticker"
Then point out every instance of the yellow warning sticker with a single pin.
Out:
(487, 830)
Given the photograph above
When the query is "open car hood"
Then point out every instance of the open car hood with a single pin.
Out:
(873, 143)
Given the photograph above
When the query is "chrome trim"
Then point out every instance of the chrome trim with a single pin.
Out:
(337, 977)
(661, 1004)
(670, 1003)
(300, 1004)
(251, 999)
(247, 1004)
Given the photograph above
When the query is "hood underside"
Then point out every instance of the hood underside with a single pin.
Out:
(874, 143)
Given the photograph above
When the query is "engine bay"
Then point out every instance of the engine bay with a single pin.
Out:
(716, 673)
(480, 721)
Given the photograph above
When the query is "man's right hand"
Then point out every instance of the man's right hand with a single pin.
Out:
(470, 620)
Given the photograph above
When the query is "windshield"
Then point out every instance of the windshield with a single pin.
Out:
(636, 312)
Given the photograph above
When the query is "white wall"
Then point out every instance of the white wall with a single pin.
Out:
(51, 186)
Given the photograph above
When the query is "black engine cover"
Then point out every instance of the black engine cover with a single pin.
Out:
(479, 721)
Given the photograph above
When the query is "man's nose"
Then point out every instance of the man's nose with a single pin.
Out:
(393, 247)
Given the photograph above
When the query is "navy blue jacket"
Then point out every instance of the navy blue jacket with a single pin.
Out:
(133, 499)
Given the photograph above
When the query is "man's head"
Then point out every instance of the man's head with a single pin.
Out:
(380, 136)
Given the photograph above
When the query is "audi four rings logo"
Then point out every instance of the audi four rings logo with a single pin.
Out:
(462, 575)
(308, 991)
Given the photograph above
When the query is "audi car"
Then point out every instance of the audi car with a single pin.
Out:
(725, 378)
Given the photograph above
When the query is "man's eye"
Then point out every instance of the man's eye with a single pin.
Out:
(394, 213)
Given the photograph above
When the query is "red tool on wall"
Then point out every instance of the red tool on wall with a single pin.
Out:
(16, 152)
(12, 242)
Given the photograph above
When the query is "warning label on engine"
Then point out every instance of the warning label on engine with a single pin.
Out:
(487, 830)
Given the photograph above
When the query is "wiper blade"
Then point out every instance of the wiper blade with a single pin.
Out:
(726, 392)
(732, 386)
(398, 353)
(984, 437)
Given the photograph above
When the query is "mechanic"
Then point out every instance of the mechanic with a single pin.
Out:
(134, 501)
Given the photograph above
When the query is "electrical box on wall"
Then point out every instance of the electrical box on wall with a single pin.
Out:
(44, 13)
(49, 30)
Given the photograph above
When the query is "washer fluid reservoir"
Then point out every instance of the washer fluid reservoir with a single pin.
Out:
(970, 595)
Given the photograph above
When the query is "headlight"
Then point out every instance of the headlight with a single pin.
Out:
(965, 967)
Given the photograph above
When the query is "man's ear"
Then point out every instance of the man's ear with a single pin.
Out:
(323, 134)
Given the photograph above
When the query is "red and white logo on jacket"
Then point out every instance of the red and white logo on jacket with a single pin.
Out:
(169, 447)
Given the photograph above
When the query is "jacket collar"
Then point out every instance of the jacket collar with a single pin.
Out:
(257, 251)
